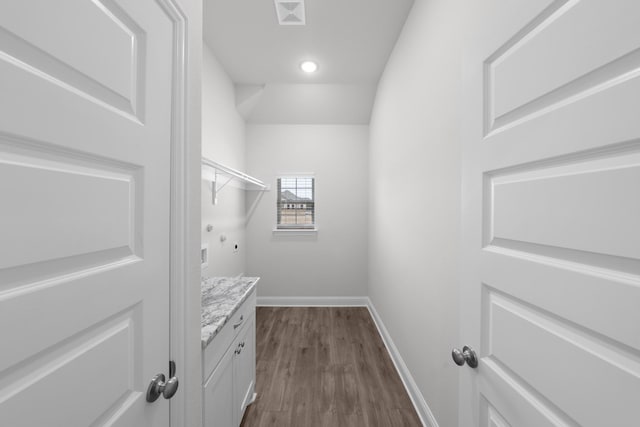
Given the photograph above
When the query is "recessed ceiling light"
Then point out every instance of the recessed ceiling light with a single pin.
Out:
(309, 66)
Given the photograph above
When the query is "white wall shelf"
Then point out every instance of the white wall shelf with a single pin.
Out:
(223, 175)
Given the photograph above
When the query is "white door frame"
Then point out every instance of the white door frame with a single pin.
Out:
(185, 350)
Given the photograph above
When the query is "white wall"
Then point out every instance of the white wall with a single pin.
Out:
(415, 200)
(332, 262)
(223, 140)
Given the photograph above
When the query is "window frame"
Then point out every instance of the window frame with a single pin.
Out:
(313, 227)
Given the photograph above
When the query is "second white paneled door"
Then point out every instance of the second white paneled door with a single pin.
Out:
(551, 220)
(85, 145)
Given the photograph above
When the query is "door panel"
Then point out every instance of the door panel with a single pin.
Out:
(545, 281)
(558, 53)
(101, 57)
(85, 144)
(98, 50)
(557, 349)
(551, 221)
(102, 220)
(602, 216)
(63, 372)
(491, 417)
(516, 401)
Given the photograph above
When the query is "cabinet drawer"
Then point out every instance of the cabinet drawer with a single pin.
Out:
(217, 348)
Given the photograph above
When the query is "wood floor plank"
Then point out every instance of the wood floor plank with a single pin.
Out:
(325, 366)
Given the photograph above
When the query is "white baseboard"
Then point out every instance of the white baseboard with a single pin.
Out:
(313, 301)
(423, 410)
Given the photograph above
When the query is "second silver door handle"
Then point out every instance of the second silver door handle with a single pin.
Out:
(466, 355)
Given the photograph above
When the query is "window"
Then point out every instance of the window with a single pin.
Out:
(296, 203)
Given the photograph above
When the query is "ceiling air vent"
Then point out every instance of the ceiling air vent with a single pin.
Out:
(290, 12)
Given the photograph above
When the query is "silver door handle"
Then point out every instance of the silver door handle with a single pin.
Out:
(159, 387)
(466, 355)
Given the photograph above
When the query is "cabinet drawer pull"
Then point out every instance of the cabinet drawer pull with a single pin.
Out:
(239, 323)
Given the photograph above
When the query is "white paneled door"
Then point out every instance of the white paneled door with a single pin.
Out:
(551, 220)
(85, 140)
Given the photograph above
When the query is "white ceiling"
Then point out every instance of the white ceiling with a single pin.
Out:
(350, 40)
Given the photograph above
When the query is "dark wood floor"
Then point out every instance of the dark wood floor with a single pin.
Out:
(325, 366)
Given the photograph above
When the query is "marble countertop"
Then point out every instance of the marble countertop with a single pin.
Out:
(221, 298)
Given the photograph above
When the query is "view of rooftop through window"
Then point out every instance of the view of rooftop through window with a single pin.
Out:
(296, 203)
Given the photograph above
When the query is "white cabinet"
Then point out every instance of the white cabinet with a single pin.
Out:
(218, 395)
(244, 369)
(230, 369)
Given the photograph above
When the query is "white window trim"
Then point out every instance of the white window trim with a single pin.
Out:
(297, 231)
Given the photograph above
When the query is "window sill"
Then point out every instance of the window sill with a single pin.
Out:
(295, 231)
